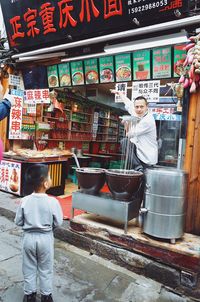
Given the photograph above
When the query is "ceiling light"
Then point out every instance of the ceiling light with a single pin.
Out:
(171, 39)
(89, 56)
(42, 56)
(128, 33)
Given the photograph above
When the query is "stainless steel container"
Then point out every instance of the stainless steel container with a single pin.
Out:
(164, 203)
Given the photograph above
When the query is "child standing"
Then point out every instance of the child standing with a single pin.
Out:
(38, 215)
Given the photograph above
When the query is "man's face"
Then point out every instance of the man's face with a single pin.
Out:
(140, 107)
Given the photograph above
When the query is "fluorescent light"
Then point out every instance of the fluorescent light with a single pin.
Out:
(42, 56)
(129, 33)
(172, 39)
(95, 55)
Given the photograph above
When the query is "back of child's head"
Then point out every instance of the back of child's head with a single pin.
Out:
(36, 175)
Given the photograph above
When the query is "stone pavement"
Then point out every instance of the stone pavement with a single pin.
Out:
(79, 275)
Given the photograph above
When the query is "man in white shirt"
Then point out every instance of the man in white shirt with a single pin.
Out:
(142, 147)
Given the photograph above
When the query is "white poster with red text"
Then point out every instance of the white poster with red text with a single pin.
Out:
(15, 122)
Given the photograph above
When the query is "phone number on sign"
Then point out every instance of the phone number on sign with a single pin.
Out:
(146, 7)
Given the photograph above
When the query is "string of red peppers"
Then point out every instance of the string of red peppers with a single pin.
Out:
(190, 76)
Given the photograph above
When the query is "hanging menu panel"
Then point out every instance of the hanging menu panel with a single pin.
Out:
(91, 71)
(64, 74)
(162, 63)
(179, 58)
(141, 65)
(123, 67)
(106, 68)
(52, 75)
(77, 73)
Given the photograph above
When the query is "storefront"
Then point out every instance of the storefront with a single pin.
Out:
(96, 56)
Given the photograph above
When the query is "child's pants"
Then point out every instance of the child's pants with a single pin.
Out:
(38, 255)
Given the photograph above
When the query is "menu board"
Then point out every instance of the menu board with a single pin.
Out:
(106, 68)
(123, 67)
(64, 74)
(141, 65)
(162, 62)
(179, 58)
(52, 76)
(91, 71)
(77, 73)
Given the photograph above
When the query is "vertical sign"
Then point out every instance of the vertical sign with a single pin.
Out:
(10, 177)
(122, 87)
(141, 65)
(106, 66)
(64, 74)
(77, 73)
(52, 76)
(123, 67)
(15, 121)
(149, 89)
(162, 63)
(91, 71)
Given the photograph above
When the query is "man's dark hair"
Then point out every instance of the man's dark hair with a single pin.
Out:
(141, 97)
(36, 175)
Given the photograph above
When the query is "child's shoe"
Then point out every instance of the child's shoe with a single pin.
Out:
(47, 298)
(30, 298)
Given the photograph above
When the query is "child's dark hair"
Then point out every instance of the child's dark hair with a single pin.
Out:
(36, 175)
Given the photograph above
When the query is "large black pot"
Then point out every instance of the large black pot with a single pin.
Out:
(91, 180)
(124, 184)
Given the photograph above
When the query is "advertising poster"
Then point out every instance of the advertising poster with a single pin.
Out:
(122, 87)
(141, 65)
(77, 73)
(52, 76)
(10, 176)
(123, 67)
(179, 58)
(149, 89)
(162, 63)
(15, 121)
(106, 69)
(91, 71)
(64, 74)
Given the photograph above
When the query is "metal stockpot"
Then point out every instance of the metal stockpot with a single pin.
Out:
(164, 202)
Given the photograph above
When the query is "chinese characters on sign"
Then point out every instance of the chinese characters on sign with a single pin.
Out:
(14, 80)
(141, 65)
(122, 87)
(35, 23)
(15, 121)
(162, 63)
(165, 114)
(52, 75)
(106, 69)
(149, 89)
(10, 177)
(91, 71)
(123, 67)
(36, 96)
(77, 73)
(64, 74)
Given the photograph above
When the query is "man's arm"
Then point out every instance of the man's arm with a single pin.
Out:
(129, 106)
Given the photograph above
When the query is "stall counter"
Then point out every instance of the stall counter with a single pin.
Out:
(13, 169)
